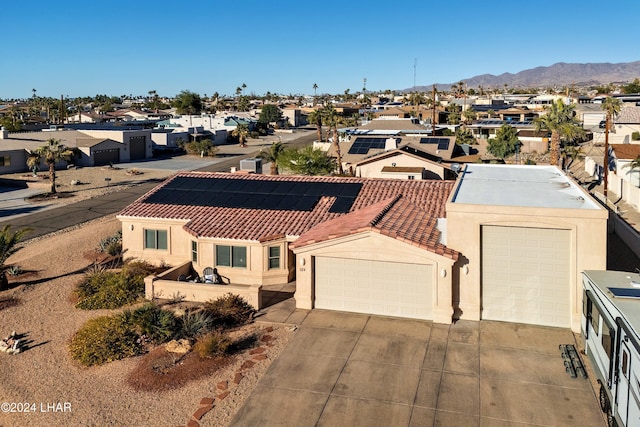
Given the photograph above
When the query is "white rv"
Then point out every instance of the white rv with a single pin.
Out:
(610, 327)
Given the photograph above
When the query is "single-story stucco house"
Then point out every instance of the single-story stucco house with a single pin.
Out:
(502, 242)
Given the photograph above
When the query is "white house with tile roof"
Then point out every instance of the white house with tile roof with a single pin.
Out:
(502, 243)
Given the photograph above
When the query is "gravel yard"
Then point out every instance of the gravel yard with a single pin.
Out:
(65, 393)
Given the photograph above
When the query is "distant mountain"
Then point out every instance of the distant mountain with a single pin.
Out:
(560, 74)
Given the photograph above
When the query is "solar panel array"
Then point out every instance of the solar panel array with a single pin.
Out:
(443, 143)
(255, 194)
(363, 145)
(503, 122)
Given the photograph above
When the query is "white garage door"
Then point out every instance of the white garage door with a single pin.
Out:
(525, 275)
(374, 287)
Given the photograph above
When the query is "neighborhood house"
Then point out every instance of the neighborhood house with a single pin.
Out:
(501, 242)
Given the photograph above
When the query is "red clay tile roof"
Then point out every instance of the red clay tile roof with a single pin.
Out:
(424, 199)
(395, 217)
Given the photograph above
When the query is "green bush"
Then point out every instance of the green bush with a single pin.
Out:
(229, 310)
(213, 344)
(194, 323)
(105, 339)
(154, 323)
(635, 136)
(111, 245)
(109, 289)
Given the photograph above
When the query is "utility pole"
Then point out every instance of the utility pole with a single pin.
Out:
(433, 116)
(606, 157)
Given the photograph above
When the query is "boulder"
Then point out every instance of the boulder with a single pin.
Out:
(178, 346)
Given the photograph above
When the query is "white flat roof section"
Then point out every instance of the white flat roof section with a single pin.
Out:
(520, 185)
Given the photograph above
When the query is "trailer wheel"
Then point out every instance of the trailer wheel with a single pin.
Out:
(604, 401)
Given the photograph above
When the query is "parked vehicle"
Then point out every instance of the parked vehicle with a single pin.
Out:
(610, 327)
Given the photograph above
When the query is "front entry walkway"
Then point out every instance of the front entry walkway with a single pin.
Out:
(359, 370)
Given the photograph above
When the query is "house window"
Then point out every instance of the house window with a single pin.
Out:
(5, 161)
(411, 177)
(194, 251)
(274, 257)
(155, 239)
(231, 256)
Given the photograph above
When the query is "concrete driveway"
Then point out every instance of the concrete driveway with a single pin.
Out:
(343, 369)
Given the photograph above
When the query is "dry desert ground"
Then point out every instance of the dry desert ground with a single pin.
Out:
(65, 393)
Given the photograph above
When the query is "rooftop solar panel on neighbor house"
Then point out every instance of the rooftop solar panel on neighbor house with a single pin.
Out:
(255, 194)
(363, 145)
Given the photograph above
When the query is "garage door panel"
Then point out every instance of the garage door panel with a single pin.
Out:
(525, 275)
(374, 287)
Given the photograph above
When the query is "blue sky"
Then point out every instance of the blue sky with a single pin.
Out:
(83, 48)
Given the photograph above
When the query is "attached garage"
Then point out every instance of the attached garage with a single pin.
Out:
(526, 275)
(374, 287)
(106, 156)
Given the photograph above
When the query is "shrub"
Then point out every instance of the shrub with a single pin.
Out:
(110, 289)
(194, 323)
(14, 270)
(108, 243)
(213, 344)
(230, 310)
(105, 339)
(154, 323)
(635, 136)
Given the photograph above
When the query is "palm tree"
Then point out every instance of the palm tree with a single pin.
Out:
(560, 120)
(271, 155)
(8, 246)
(315, 88)
(612, 107)
(52, 153)
(332, 118)
(241, 132)
(316, 117)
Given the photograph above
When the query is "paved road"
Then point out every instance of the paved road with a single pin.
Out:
(50, 220)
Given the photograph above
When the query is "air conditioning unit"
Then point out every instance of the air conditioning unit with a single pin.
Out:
(251, 165)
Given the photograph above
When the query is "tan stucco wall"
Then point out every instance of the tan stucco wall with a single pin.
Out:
(179, 251)
(588, 245)
(374, 169)
(373, 246)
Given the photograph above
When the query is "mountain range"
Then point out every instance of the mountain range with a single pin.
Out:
(560, 74)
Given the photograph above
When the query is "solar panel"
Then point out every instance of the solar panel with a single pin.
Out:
(255, 194)
(362, 145)
(625, 292)
(443, 145)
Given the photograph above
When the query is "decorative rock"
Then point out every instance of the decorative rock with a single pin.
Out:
(221, 396)
(238, 378)
(181, 346)
(201, 411)
(269, 329)
(222, 385)
(248, 364)
(259, 357)
(266, 338)
(206, 401)
(258, 350)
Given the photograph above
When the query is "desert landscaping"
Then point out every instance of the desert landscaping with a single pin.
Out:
(39, 306)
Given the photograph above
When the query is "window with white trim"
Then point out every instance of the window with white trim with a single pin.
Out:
(155, 239)
(231, 256)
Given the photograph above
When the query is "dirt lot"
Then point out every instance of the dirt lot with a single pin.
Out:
(65, 393)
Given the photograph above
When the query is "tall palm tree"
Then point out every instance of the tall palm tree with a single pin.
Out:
(332, 118)
(272, 155)
(560, 120)
(612, 107)
(316, 117)
(315, 88)
(8, 246)
(51, 153)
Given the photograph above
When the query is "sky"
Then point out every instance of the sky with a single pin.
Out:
(84, 48)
